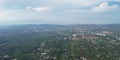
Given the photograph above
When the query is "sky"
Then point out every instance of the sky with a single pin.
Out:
(59, 11)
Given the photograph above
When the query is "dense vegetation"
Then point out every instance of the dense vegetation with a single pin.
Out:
(49, 42)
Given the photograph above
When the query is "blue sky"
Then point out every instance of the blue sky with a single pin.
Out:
(59, 11)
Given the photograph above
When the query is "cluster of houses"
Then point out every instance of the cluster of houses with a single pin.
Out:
(6, 57)
(77, 37)
(90, 35)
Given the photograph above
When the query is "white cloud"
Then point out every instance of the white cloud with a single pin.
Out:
(104, 7)
(32, 13)
(4, 16)
(80, 3)
(11, 16)
(71, 3)
(79, 11)
(38, 9)
(17, 16)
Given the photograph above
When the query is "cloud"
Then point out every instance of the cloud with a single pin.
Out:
(79, 11)
(56, 3)
(28, 15)
(104, 7)
(38, 9)
(18, 16)
(4, 16)
(80, 3)
(56, 10)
